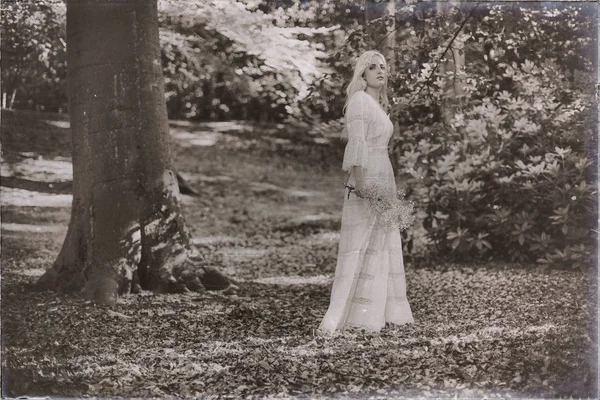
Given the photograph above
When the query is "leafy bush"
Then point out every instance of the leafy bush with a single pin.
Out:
(503, 168)
(482, 202)
(510, 175)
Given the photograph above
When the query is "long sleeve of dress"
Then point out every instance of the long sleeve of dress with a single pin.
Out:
(356, 152)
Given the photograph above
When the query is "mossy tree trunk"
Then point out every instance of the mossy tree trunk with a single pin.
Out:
(127, 231)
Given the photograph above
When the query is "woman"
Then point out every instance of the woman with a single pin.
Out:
(369, 288)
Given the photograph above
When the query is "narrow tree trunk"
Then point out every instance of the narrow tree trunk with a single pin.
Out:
(389, 45)
(127, 231)
(391, 54)
(455, 63)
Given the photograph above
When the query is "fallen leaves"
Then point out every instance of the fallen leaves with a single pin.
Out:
(480, 331)
(262, 342)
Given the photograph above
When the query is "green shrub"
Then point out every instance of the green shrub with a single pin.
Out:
(509, 178)
(505, 168)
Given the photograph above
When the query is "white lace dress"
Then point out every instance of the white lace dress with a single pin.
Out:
(369, 288)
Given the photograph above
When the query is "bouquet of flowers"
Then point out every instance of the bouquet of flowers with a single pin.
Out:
(393, 210)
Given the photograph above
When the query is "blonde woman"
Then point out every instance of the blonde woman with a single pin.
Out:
(369, 288)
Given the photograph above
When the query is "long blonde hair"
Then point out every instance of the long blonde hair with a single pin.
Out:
(359, 83)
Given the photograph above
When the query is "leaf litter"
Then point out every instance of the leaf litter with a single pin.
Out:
(494, 331)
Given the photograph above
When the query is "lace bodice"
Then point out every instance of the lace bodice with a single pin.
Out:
(369, 131)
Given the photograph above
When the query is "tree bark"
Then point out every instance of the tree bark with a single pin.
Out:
(389, 44)
(391, 54)
(455, 63)
(127, 231)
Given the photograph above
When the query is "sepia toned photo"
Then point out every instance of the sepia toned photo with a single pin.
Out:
(296, 199)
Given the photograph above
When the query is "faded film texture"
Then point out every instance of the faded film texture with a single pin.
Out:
(182, 179)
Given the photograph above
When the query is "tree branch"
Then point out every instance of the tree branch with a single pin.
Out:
(444, 53)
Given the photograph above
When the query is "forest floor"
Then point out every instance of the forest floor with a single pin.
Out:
(268, 216)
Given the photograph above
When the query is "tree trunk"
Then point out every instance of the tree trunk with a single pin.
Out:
(455, 63)
(391, 55)
(127, 231)
(389, 44)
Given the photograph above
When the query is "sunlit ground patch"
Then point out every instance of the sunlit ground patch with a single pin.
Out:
(58, 169)
(32, 272)
(32, 267)
(296, 280)
(302, 193)
(59, 124)
(27, 198)
(219, 126)
(491, 333)
(322, 237)
(243, 254)
(197, 138)
(239, 347)
(206, 178)
(213, 240)
(225, 126)
(12, 227)
(261, 187)
(328, 343)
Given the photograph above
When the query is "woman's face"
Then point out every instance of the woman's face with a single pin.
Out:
(375, 73)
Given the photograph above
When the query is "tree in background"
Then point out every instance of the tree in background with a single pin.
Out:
(127, 231)
(33, 55)
(452, 68)
(222, 59)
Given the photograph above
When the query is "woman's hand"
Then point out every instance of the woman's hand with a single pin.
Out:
(359, 190)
